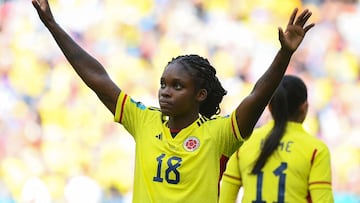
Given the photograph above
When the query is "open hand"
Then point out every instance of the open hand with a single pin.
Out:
(295, 30)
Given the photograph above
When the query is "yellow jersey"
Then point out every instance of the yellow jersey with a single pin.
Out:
(185, 168)
(296, 172)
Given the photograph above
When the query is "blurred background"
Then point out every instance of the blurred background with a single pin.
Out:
(58, 143)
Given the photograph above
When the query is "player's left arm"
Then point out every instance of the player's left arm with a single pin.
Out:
(322, 195)
(251, 108)
(231, 180)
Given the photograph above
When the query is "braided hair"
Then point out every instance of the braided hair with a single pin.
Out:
(285, 103)
(204, 75)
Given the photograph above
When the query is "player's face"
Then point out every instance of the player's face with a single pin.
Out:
(177, 94)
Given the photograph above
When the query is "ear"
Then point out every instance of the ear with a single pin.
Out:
(304, 106)
(304, 109)
(201, 95)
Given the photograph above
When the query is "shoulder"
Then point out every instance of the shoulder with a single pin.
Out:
(139, 105)
(131, 109)
(300, 134)
(214, 119)
(262, 131)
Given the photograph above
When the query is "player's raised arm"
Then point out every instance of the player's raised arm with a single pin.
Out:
(87, 67)
(251, 108)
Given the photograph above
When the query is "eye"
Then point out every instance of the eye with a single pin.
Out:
(178, 86)
(162, 84)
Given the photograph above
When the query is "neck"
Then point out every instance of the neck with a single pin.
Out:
(179, 123)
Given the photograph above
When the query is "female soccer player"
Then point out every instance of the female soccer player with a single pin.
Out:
(180, 145)
(281, 162)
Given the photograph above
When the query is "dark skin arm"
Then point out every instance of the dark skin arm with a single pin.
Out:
(248, 112)
(88, 68)
(251, 108)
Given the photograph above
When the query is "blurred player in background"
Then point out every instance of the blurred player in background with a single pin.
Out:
(281, 162)
(181, 145)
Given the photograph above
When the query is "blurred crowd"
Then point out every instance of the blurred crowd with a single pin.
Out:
(58, 143)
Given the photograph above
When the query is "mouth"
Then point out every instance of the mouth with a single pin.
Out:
(165, 104)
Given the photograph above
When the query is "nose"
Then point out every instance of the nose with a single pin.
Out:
(164, 92)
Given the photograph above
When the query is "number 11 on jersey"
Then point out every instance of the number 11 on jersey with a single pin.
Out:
(279, 172)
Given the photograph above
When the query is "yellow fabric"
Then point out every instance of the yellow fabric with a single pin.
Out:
(165, 169)
(181, 169)
(230, 184)
(300, 165)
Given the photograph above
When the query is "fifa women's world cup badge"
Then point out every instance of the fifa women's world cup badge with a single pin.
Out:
(191, 144)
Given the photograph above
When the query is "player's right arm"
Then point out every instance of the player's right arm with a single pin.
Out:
(87, 67)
